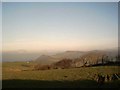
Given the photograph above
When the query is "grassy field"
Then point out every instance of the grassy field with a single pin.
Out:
(21, 74)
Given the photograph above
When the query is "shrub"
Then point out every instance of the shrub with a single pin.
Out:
(64, 63)
(42, 67)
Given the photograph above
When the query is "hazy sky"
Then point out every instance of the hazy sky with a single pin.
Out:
(59, 26)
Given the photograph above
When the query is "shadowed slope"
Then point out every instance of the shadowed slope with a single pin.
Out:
(56, 84)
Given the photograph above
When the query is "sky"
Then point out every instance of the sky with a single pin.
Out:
(39, 26)
(0, 31)
(60, 0)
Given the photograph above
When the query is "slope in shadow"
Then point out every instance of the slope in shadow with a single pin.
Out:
(56, 84)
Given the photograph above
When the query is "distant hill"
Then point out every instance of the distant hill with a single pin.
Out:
(87, 59)
(90, 57)
(69, 54)
(97, 57)
(45, 59)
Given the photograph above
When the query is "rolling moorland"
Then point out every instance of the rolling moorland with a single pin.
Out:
(64, 70)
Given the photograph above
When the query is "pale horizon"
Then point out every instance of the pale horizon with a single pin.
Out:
(59, 26)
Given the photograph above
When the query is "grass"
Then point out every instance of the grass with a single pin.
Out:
(16, 74)
(16, 83)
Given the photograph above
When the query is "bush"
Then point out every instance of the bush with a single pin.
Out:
(64, 63)
(42, 67)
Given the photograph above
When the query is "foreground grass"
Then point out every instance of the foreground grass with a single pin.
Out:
(14, 75)
(57, 84)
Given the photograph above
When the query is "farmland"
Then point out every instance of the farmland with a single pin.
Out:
(21, 74)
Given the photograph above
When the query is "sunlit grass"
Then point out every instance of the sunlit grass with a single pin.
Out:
(16, 74)
(16, 71)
